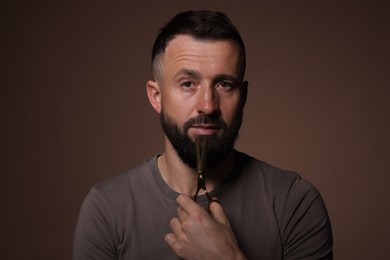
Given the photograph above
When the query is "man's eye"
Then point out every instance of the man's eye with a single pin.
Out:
(187, 84)
(225, 84)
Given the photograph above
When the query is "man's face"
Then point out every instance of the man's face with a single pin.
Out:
(201, 95)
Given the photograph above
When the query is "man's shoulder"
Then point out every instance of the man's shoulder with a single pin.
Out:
(113, 196)
(123, 180)
(272, 176)
(264, 169)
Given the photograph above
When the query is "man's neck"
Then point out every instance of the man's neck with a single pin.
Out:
(183, 179)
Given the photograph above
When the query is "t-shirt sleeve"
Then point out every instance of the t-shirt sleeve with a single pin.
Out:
(94, 236)
(306, 230)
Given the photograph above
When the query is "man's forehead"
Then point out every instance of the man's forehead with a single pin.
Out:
(187, 48)
(185, 52)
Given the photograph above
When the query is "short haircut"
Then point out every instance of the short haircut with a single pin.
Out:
(201, 25)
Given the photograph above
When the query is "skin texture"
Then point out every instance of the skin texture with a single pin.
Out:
(198, 235)
(198, 77)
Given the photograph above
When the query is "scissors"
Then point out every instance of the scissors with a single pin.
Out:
(201, 147)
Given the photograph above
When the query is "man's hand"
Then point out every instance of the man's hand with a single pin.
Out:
(196, 234)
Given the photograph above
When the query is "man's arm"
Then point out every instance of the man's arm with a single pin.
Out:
(196, 234)
(94, 237)
(305, 226)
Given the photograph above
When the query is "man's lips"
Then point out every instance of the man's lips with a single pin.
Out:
(205, 129)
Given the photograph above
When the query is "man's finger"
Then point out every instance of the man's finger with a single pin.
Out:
(186, 203)
(170, 239)
(176, 227)
(218, 213)
(181, 214)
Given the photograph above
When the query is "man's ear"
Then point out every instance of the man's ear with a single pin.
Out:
(154, 95)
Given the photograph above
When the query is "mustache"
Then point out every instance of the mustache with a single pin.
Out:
(204, 119)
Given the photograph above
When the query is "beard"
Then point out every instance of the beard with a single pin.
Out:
(218, 146)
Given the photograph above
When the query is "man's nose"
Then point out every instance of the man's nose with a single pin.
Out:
(208, 101)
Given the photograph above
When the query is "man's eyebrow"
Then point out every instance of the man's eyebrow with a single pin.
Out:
(196, 74)
(188, 72)
(221, 77)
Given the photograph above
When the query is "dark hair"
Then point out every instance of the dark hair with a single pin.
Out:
(202, 25)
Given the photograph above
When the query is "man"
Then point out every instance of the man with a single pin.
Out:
(257, 211)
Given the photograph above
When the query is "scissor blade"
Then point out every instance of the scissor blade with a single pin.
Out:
(201, 147)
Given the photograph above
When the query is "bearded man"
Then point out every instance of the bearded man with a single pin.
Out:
(247, 209)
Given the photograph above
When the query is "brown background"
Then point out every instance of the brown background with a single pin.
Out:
(74, 109)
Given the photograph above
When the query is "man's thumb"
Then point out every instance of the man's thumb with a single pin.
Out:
(217, 211)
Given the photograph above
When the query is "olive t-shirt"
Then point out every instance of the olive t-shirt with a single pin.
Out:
(274, 214)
